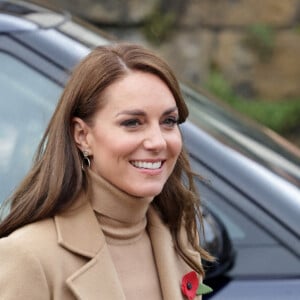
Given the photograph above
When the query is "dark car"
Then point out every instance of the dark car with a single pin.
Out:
(251, 176)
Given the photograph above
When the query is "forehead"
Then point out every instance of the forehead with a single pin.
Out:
(138, 88)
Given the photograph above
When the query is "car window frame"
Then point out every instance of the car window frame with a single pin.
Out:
(14, 47)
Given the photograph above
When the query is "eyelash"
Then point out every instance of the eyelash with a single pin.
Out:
(171, 121)
(133, 123)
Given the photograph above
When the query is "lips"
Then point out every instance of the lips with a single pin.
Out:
(147, 165)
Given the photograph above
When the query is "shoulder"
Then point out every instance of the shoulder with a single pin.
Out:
(38, 240)
(21, 267)
(41, 232)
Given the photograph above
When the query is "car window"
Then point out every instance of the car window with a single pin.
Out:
(257, 247)
(216, 196)
(257, 143)
(27, 100)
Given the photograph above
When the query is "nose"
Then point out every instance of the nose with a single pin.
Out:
(155, 139)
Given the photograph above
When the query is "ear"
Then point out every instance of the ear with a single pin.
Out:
(80, 133)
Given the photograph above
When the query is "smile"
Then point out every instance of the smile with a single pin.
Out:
(147, 165)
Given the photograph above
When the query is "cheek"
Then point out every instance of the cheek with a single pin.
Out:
(176, 144)
(100, 143)
(113, 145)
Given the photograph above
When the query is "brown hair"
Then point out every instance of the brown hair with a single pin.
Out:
(56, 177)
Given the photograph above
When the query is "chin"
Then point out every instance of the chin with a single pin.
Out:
(146, 192)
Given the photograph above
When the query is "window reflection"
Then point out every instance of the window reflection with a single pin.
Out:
(8, 138)
(27, 101)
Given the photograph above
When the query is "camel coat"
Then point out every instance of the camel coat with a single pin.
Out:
(67, 258)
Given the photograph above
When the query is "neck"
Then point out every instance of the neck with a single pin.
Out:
(108, 200)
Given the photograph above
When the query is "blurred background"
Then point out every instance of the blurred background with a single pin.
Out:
(246, 52)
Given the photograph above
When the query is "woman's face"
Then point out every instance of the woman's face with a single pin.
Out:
(135, 141)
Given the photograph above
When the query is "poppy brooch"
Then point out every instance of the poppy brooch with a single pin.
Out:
(190, 286)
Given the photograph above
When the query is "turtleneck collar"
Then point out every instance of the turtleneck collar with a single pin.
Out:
(111, 202)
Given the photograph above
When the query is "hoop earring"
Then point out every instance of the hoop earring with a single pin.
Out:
(85, 161)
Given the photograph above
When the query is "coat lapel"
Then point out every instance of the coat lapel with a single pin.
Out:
(79, 232)
(170, 266)
(97, 279)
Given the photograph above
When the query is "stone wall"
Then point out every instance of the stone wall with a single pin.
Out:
(255, 44)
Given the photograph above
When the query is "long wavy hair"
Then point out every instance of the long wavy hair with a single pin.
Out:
(56, 177)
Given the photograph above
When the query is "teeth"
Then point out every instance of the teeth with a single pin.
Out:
(147, 165)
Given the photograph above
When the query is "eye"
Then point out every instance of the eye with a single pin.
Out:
(171, 121)
(131, 123)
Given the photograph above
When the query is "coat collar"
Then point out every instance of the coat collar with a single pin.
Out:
(78, 229)
(79, 232)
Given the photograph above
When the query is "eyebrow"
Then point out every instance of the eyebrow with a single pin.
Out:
(137, 112)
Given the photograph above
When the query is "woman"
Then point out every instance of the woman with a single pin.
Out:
(103, 213)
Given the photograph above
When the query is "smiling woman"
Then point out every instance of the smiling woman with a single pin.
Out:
(133, 144)
(104, 205)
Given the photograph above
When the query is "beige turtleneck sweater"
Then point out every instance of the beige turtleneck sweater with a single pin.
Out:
(123, 220)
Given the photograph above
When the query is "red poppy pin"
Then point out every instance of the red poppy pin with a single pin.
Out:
(190, 286)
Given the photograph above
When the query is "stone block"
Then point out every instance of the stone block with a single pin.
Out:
(220, 13)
